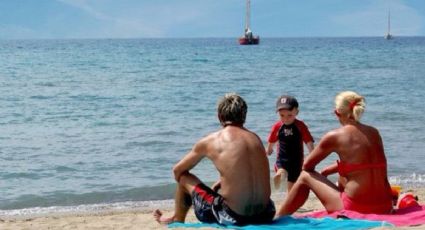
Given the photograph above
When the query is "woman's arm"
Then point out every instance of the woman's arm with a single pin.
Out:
(321, 151)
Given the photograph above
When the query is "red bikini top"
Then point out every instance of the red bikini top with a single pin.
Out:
(345, 168)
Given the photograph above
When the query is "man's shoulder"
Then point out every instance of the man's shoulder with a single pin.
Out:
(207, 138)
(212, 135)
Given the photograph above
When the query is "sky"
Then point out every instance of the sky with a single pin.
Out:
(57, 19)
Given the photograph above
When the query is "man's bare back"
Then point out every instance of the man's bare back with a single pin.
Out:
(240, 158)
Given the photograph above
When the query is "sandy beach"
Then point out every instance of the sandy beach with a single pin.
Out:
(134, 219)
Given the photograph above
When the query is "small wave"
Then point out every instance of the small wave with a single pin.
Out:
(131, 71)
(85, 209)
(99, 208)
(89, 97)
(46, 84)
(203, 60)
(155, 142)
(65, 169)
(31, 176)
(409, 181)
(105, 123)
(41, 97)
(12, 99)
(167, 133)
(69, 198)
(134, 144)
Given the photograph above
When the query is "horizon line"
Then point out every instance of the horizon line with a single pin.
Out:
(165, 38)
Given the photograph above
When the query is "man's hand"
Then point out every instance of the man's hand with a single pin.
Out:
(216, 186)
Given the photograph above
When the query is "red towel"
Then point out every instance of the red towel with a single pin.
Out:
(401, 217)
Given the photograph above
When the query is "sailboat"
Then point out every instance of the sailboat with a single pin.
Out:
(388, 36)
(248, 38)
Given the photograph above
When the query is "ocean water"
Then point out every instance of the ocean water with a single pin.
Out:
(95, 124)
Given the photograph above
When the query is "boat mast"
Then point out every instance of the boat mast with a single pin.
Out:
(389, 22)
(248, 15)
(248, 38)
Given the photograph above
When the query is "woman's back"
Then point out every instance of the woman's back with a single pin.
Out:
(363, 163)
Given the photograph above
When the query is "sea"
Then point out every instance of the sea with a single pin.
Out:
(97, 124)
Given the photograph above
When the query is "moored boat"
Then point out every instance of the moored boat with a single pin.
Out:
(248, 38)
(389, 36)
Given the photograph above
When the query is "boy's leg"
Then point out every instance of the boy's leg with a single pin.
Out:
(289, 186)
(183, 200)
(277, 179)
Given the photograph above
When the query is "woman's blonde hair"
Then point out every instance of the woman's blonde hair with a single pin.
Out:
(350, 103)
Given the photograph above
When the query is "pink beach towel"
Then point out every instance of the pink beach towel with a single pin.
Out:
(402, 217)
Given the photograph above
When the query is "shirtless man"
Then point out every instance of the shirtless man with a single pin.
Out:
(242, 194)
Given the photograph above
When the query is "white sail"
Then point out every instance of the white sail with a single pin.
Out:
(248, 16)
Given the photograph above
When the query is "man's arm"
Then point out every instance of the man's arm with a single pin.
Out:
(190, 160)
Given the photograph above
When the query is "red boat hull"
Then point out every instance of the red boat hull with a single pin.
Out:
(249, 41)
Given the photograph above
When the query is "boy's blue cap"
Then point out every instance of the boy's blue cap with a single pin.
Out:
(286, 102)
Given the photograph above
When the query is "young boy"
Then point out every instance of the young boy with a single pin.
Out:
(291, 133)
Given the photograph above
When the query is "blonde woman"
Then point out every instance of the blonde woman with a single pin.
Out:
(362, 164)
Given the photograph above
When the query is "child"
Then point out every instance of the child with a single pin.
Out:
(291, 133)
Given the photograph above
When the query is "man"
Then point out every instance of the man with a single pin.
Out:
(242, 194)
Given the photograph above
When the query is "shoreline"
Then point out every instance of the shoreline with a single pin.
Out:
(96, 209)
(89, 209)
(136, 217)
